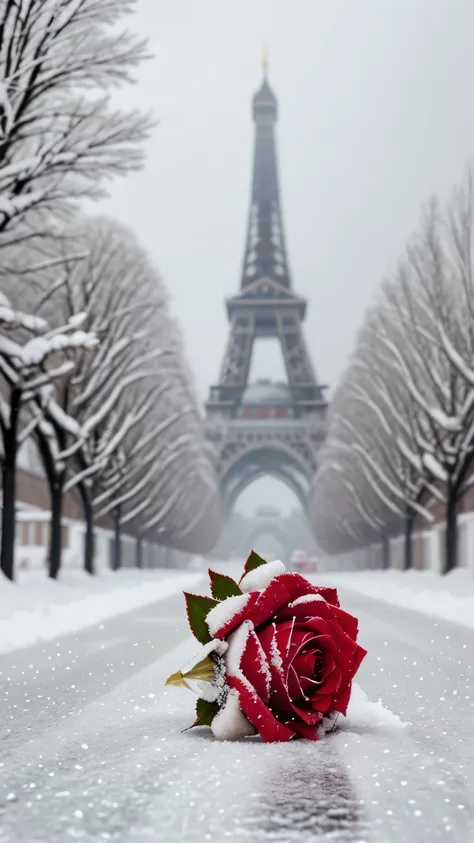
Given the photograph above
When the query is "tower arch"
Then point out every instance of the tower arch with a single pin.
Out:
(274, 460)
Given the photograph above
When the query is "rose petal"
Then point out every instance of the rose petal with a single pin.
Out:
(301, 706)
(295, 691)
(309, 686)
(341, 642)
(298, 586)
(332, 683)
(278, 664)
(254, 665)
(229, 614)
(322, 702)
(328, 666)
(259, 578)
(326, 644)
(303, 730)
(309, 716)
(283, 632)
(304, 664)
(268, 727)
(343, 695)
(341, 699)
(261, 606)
(358, 656)
(230, 723)
(283, 589)
(348, 623)
(311, 606)
(300, 639)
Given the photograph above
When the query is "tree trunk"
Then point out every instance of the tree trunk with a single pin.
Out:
(451, 535)
(55, 533)
(117, 559)
(139, 552)
(385, 552)
(10, 442)
(89, 537)
(408, 546)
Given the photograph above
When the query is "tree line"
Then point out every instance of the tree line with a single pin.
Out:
(400, 445)
(92, 367)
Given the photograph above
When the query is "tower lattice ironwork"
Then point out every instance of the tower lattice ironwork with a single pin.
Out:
(267, 428)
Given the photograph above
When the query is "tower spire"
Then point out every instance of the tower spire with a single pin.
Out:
(265, 250)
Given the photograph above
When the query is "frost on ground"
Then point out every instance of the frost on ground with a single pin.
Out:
(39, 609)
(124, 768)
(365, 716)
(298, 791)
(450, 598)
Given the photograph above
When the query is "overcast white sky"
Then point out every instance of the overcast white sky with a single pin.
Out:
(376, 113)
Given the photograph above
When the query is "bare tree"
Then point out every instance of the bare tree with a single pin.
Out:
(163, 483)
(29, 367)
(60, 135)
(411, 379)
(125, 301)
(132, 401)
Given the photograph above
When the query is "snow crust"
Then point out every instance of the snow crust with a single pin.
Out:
(435, 468)
(234, 723)
(275, 654)
(364, 715)
(450, 598)
(306, 598)
(38, 609)
(453, 424)
(230, 723)
(237, 642)
(259, 578)
(214, 646)
(225, 611)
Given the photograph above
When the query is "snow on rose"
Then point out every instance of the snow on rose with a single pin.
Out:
(278, 655)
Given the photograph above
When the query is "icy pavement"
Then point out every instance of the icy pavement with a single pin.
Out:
(92, 744)
(450, 597)
(40, 609)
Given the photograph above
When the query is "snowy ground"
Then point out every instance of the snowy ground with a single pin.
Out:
(38, 609)
(93, 747)
(450, 598)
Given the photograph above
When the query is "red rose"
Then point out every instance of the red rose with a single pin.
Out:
(290, 659)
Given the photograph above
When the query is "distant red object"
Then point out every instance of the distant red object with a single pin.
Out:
(303, 562)
(265, 412)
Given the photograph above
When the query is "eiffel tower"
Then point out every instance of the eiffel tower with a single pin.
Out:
(266, 428)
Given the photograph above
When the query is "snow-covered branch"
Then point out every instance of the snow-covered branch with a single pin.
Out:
(60, 137)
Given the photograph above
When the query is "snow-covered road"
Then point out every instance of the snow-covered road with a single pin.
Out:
(92, 746)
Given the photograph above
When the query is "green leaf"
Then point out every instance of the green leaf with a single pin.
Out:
(223, 586)
(198, 608)
(253, 561)
(205, 713)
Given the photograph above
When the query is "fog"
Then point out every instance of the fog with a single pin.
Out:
(375, 114)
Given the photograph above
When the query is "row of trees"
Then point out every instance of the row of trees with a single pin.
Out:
(91, 361)
(400, 446)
